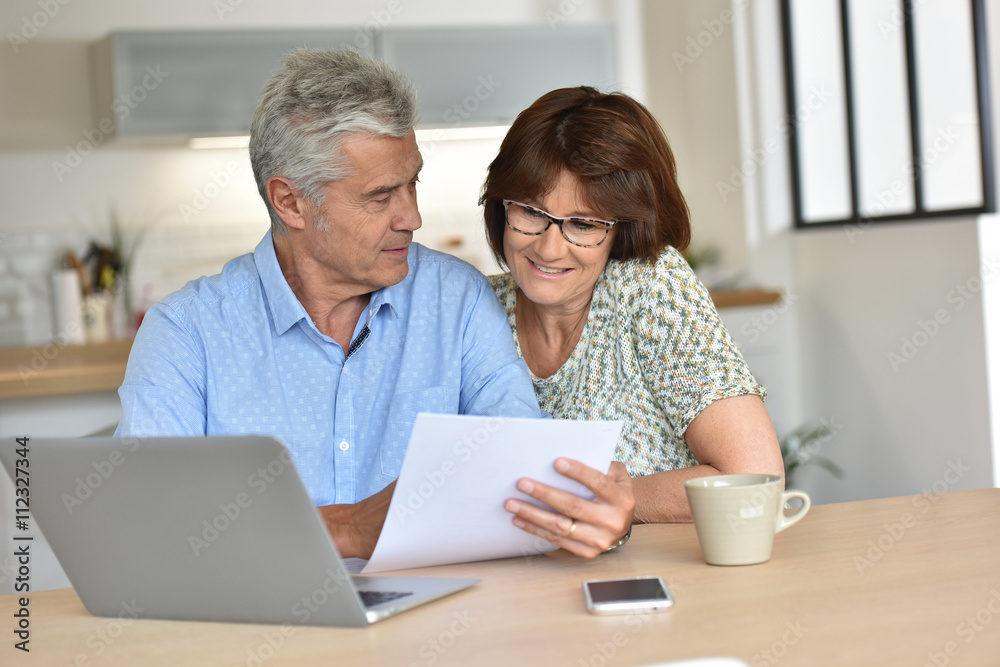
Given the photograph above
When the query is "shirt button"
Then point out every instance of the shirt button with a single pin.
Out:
(344, 445)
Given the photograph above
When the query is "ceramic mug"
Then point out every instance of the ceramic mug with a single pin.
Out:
(737, 516)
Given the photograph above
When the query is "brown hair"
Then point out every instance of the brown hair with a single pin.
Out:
(614, 147)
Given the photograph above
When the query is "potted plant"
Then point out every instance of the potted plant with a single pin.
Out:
(800, 448)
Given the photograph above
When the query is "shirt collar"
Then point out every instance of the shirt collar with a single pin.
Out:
(287, 310)
(285, 307)
(397, 297)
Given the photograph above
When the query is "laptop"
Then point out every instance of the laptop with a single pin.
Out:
(215, 528)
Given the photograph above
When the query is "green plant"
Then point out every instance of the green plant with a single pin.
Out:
(800, 447)
(124, 245)
(701, 255)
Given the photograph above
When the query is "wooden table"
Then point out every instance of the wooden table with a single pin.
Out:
(899, 581)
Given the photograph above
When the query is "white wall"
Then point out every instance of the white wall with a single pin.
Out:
(903, 423)
(692, 91)
(897, 430)
(897, 354)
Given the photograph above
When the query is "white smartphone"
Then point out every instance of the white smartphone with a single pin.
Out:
(627, 596)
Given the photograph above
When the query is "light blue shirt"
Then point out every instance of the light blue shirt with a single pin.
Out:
(237, 353)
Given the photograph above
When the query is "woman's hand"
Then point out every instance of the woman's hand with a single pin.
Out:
(585, 527)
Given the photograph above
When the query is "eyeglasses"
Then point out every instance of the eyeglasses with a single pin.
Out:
(583, 232)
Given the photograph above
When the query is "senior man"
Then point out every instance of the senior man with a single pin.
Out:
(337, 329)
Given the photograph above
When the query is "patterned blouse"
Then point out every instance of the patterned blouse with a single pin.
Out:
(653, 353)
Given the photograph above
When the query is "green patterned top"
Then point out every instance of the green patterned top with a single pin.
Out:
(653, 353)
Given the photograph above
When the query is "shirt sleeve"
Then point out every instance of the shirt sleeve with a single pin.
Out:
(495, 381)
(686, 355)
(164, 389)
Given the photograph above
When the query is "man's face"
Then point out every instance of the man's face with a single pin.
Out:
(362, 233)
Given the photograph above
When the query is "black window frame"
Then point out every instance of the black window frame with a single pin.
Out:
(920, 212)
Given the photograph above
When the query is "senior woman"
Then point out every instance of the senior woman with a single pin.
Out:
(583, 207)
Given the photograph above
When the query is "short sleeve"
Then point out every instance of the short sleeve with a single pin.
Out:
(495, 380)
(164, 389)
(687, 357)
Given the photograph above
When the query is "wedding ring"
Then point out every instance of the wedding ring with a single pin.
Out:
(572, 529)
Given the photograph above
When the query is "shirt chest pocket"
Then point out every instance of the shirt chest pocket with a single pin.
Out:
(403, 409)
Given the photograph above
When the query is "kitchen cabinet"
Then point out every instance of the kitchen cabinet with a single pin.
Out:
(486, 76)
(181, 84)
(162, 86)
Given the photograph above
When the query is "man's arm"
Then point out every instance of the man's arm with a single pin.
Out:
(355, 528)
(164, 389)
(495, 381)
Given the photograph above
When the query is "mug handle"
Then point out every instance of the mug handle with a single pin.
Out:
(786, 521)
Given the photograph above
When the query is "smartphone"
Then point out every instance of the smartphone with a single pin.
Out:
(636, 595)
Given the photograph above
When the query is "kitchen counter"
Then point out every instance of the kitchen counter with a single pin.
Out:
(747, 297)
(50, 370)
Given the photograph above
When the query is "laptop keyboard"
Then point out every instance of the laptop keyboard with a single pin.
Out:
(373, 598)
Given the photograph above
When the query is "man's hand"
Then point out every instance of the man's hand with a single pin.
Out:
(584, 527)
(355, 528)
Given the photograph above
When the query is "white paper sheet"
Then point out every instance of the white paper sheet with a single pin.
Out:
(459, 470)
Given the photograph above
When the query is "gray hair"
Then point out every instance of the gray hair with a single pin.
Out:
(308, 108)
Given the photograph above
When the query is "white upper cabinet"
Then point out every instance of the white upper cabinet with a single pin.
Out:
(166, 85)
(486, 76)
(194, 84)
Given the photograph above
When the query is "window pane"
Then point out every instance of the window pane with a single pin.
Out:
(949, 131)
(820, 110)
(881, 108)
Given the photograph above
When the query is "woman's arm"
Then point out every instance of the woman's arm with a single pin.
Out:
(731, 436)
